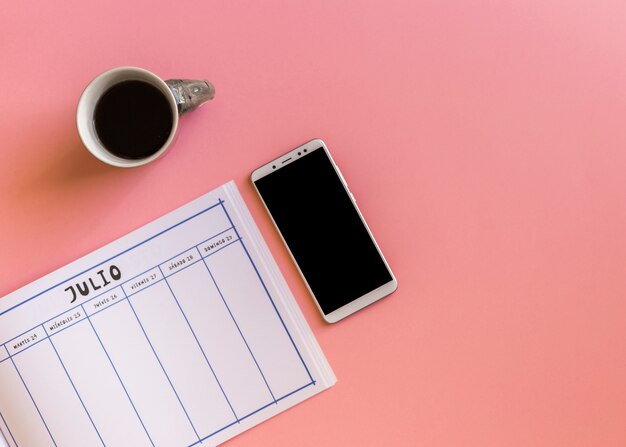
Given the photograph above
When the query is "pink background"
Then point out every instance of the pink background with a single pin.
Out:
(484, 141)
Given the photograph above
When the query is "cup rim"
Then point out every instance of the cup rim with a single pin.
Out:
(85, 127)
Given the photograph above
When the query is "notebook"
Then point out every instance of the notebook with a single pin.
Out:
(182, 333)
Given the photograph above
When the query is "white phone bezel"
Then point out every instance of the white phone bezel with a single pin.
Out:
(368, 298)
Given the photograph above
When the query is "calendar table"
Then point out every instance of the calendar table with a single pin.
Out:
(169, 342)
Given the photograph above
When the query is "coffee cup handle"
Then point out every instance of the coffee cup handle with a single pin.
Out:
(190, 94)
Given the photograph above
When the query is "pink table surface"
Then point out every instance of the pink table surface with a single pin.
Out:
(484, 141)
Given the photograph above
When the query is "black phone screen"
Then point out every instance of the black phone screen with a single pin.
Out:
(323, 230)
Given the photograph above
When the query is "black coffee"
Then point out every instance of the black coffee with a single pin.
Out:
(133, 119)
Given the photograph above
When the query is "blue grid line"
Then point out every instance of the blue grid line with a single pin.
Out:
(213, 434)
(96, 297)
(267, 292)
(8, 354)
(76, 391)
(26, 332)
(64, 312)
(35, 327)
(9, 429)
(238, 329)
(163, 368)
(295, 391)
(123, 291)
(200, 347)
(137, 276)
(67, 326)
(48, 336)
(259, 410)
(121, 300)
(180, 269)
(189, 249)
(252, 413)
(30, 346)
(120, 380)
(212, 237)
(34, 403)
(128, 295)
(58, 315)
(120, 285)
(111, 258)
(218, 250)
(221, 203)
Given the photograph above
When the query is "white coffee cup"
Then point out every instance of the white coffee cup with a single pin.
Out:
(181, 95)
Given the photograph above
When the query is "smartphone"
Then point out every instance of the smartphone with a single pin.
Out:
(324, 231)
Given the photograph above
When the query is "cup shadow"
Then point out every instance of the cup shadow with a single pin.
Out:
(71, 168)
(76, 165)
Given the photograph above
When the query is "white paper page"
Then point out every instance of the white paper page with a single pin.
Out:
(182, 333)
(3, 441)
